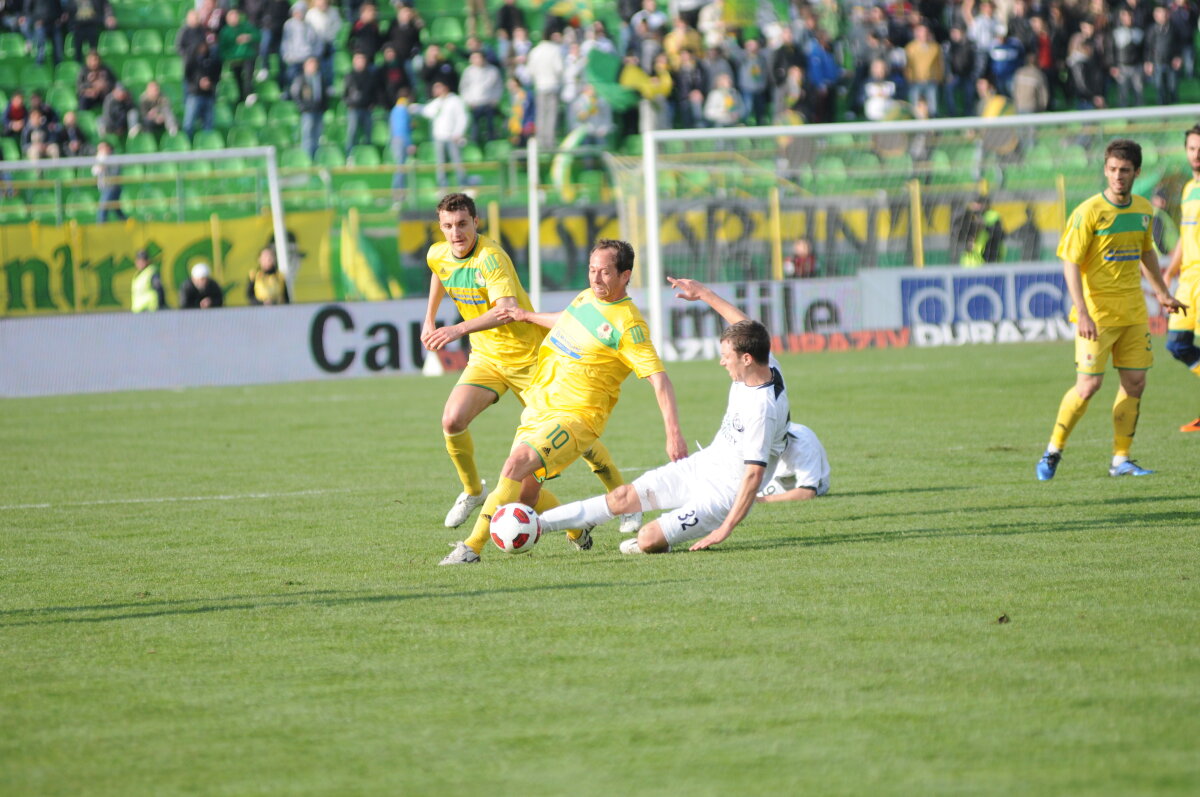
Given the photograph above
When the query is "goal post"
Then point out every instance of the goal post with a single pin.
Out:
(869, 194)
(267, 154)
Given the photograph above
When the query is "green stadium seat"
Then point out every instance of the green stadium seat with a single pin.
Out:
(146, 42)
(329, 156)
(196, 167)
(175, 143)
(137, 71)
(497, 150)
(341, 63)
(43, 207)
(363, 155)
(242, 136)
(8, 76)
(150, 202)
(471, 153)
(161, 16)
(163, 168)
(36, 77)
(354, 194)
(268, 92)
(283, 114)
(81, 205)
(62, 99)
(227, 89)
(13, 210)
(276, 136)
(141, 144)
(294, 158)
(12, 47)
(381, 134)
(169, 68)
(251, 115)
(208, 139)
(222, 115)
(10, 149)
(447, 30)
(87, 123)
(66, 73)
(3, 98)
(112, 42)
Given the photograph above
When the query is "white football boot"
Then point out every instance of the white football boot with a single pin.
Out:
(464, 506)
(461, 555)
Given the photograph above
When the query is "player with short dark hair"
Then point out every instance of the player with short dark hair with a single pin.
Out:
(478, 276)
(591, 348)
(1106, 249)
(707, 494)
(1185, 264)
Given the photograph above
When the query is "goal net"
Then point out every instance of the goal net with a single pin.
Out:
(743, 204)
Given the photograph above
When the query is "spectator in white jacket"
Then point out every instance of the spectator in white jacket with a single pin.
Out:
(546, 67)
(448, 120)
(326, 21)
(723, 107)
(481, 87)
(299, 43)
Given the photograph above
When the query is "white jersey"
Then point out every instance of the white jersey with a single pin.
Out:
(753, 431)
(802, 464)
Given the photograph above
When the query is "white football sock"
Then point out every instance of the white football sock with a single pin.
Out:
(577, 514)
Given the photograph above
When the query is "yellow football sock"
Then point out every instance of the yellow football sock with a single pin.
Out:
(546, 500)
(507, 491)
(601, 463)
(461, 449)
(1125, 417)
(1071, 409)
(1196, 369)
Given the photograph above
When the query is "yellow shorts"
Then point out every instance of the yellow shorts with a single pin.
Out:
(1130, 348)
(1188, 292)
(558, 438)
(498, 379)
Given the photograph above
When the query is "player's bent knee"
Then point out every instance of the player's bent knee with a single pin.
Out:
(521, 463)
(651, 539)
(623, 500)
(1182, 346)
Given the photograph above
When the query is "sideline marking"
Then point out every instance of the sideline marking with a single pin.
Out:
(175, 499)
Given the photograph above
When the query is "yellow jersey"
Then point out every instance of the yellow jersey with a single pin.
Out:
(474, 283)
(1189, 231)
(587, 355)
(1107, 242)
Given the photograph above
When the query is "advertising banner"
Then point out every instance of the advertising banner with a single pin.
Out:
(89, 267)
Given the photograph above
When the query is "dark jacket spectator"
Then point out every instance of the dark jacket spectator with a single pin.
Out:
(784, 57)
(203, 64)
(405, 34)
(85, 20)
(72, 141)
(365, 35)
(154, 108)
(200, 291)
(94, 83)
(190, 35)
(438, 70)
(118, 114)
(509, 17)
(391, 78)
(359, 90)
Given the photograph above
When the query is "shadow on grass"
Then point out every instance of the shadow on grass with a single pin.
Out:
(322, 598)
(1121, 522)
(835, 493)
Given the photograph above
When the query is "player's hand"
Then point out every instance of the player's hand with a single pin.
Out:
(686, 288)
(1173, 305)
(676, 448)
(1086, 326)
(507, 314)
(716, 537)
(443, 336)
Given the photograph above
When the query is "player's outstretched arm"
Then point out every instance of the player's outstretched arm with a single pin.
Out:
(751, 480)
(515, 313)
(664, 391)
(794, 494)
(495, 317)
(1151, 271)
(695, 291)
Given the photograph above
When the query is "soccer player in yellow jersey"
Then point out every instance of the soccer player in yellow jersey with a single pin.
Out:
(1185, 264)
(592, 346)
(1105, 250)
(479, 278)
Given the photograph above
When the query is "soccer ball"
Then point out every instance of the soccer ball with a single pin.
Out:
(516, 528)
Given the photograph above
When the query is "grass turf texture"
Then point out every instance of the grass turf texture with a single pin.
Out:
(233, 592)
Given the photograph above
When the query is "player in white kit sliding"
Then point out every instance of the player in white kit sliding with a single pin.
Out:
(710, 492)
(803, 469)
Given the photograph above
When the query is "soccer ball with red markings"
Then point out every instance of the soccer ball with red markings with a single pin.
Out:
(516, 528)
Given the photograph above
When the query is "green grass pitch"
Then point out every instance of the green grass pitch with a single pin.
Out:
(234, 592)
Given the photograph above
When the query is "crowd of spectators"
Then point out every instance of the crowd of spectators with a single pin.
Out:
(827, 61)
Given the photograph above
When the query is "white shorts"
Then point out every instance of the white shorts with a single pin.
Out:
(695, 503)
